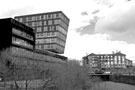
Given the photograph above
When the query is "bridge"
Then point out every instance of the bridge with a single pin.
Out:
(104, 77)
(122, 78)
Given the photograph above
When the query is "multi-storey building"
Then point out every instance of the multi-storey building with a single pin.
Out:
(17, 43)
(129, 63)
(114, 60)
(50, 30)
(21, 41)
(14, 33)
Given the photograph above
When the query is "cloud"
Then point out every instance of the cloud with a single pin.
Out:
(92, 35)
(84, 13)
(119, 23)
(110, 3)
(96, 11)
(17, 11)
(78, 45)
(90, 28)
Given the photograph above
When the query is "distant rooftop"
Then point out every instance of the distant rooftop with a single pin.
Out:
(113, 53)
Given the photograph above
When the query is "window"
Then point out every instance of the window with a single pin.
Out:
(33, 18)
(53, 33)
(39, 29)
(22, 33)
(37, 35)
(36, 46)
(39, 23)
(48, 34)
(57, 21)
(21, 42)
(64, 18)
(54, 16)
(44, 34)
(48, 40)
(57, 27)
(20, 20)
(45, 22)
(123, 59)
(16, 31)
(33, 28)
(49, 22)
(27, 24)
(45, 28)
(30, 19)
(61, 36)
(54, 40)
(60, 14)
(51, 46)
(33, 24)
(45, 46)
(40, 47)
(39, 41)
(51, 28)
(44, 17)
(38, 17)
(57, 15)
(41, 34)
(49, 16)
(48, 47)
(60, 42)
(61, 30)
(27, 18)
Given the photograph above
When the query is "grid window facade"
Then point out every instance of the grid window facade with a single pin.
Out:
(16, 34)
(108, 60)
(48, 26)
(22, 42)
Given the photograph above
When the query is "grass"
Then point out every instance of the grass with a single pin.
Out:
(112, 86)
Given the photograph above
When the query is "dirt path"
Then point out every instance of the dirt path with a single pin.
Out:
(113, 86)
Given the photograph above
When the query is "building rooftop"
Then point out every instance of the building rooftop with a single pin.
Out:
(15, 22)
(43, 13)
(117, 53)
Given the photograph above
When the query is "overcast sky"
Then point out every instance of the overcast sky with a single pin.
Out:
(96, 26)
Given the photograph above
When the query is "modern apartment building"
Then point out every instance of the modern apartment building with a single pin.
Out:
(114, 60)
(16, 34)
(50, 30)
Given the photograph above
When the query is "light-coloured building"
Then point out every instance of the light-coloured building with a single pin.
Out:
(114, 60)
(129, 63)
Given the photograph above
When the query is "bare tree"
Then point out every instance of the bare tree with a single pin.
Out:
(15, 74)
(54, 76)
(70, 76)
